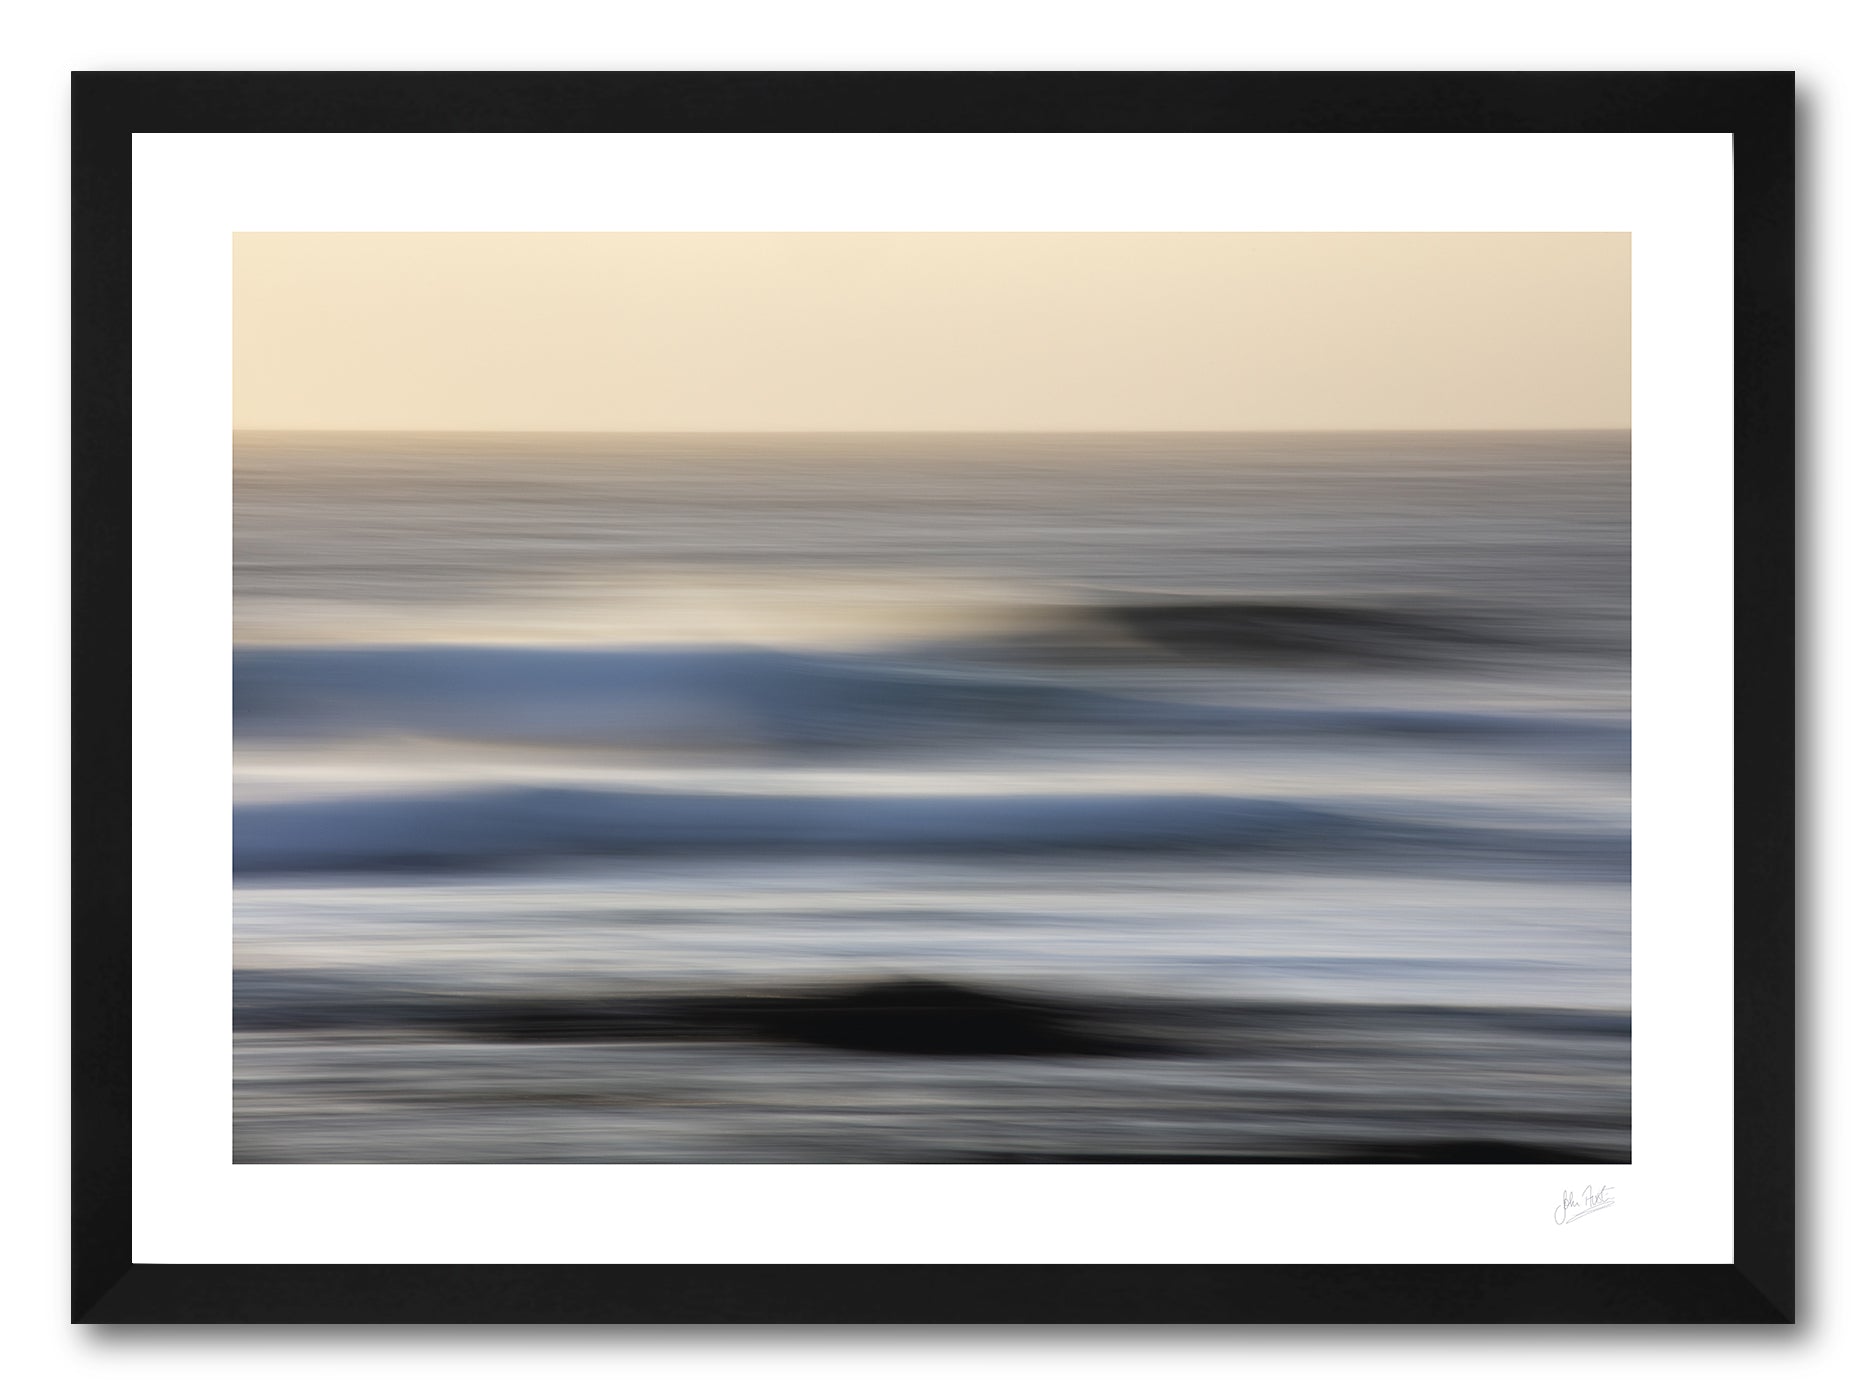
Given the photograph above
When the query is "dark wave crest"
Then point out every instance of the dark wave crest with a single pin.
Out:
(1279, 629)
(904, 1016)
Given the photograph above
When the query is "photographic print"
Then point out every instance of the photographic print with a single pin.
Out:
(932, 697)
(790, 646)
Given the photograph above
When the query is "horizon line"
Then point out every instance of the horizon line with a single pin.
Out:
(907, 431)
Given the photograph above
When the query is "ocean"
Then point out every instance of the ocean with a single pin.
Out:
(1043, 799)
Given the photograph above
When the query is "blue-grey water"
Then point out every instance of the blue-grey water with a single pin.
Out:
(868, 799)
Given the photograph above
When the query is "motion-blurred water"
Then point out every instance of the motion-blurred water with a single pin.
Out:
(932, 798)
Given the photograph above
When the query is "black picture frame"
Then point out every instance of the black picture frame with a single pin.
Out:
(1756, 107)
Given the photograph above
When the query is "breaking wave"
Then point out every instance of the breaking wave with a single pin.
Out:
(1277, 629)
(722, 697)
(490, 826)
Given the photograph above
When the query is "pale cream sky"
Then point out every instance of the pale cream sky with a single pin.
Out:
(931, 331)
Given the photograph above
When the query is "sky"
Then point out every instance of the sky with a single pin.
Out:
(931, 331)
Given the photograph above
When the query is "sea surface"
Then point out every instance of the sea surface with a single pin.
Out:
(932, 799)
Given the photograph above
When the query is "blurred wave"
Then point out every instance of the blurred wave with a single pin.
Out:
(496, 826)
(1040, 1077)
(741, 696)
(1272, 628)
(892, 799)
(905, 1016)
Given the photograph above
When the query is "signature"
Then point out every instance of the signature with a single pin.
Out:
(1577, 1207)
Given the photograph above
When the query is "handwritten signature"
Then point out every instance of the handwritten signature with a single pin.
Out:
(1577, 1207)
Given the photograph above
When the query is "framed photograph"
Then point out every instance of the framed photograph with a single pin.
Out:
(933, 697)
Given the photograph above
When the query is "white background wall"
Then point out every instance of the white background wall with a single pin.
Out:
(39, 1351)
